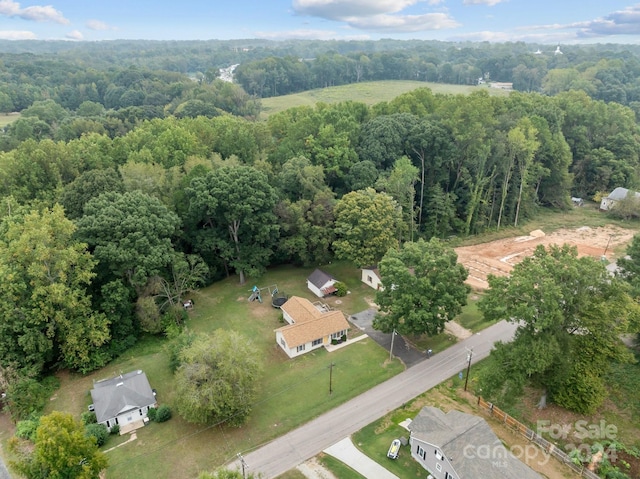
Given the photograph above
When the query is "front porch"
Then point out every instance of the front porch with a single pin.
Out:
(132, 426)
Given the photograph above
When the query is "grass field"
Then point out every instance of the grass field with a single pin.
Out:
(369, 93)
(5, 119)
(291, 391)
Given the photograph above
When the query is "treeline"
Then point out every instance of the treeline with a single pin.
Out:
(610, 79)
(102, 237)
(267, 68)
(59, 100)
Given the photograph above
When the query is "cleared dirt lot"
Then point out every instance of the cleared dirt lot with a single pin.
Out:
(498, 257)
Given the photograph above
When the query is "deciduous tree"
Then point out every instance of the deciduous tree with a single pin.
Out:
(232, 209)
(62, 450)
(570, 315)
(130, 234)
(45, 311)
(366, 226)
(217, 379)
(423, 288)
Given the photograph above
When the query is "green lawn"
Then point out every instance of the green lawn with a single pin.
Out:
(339, 468)
(374, 440)
(5, 118)
(471, 318)
(292, 392)
(369, 93)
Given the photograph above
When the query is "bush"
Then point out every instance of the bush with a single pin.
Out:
(115, 430)
(88, 417)
(163, 414)
(151, 413)
(29, 396)
(99, 431)
(26, 429)
(341, 288)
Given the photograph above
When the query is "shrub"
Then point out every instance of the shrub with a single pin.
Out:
(341, 288)
(29, 396)
(151, 413)
(88, 417)
(99, 431)
(26, 429)
(115, 430)
(163, 414)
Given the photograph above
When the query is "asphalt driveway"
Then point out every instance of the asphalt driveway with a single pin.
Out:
(409, 355)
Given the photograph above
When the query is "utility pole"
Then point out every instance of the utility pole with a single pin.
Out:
(244, 466)
(393, 335)
(331, 378)
(469, 356)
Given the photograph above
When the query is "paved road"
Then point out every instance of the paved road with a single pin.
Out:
(297, 446)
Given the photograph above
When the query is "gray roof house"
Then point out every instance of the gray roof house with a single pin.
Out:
(321, 284)
(457, 445)
(123, 400)
(616, 195)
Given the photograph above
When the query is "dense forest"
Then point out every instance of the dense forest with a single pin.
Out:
(128, 182)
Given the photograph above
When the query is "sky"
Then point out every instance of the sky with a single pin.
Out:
(541, 21)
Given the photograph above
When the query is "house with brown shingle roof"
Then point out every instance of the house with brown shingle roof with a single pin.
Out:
(309, 327)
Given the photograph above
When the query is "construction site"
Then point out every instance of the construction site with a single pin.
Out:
(500, 256)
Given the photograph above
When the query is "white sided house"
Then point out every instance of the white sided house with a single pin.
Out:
(123, 400)
(616, 195)
(321, 284)
(371, 277)
(308, 327)
(457, 445)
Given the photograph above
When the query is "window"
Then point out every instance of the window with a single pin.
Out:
(439, 467)
(140, 411)
(370, 279)
(438, 455)
(300, 348)
(108, 424)
(421, 452)
(338, 335)
(316, 342)
(284, 345)
(447, 476)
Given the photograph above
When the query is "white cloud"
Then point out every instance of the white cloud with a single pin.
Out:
(376, 15)
(36, 13)
(489, 3)
(617, 24)
(404, 23)
(340, 9)
(99, 25)
(17, 35)
(75, 35)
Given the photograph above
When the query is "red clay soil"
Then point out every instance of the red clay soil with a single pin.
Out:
(498, 257)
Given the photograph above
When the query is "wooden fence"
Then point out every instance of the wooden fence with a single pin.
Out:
(535, 438)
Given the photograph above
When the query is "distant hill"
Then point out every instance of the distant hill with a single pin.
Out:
(365, 92)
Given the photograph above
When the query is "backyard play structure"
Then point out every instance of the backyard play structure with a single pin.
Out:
(276, 301)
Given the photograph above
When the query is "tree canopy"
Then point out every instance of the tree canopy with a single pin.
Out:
(217, 379)
(366, 225)
(130, 234)
(61, 450)
(423, 288)
(233, 208)
(46, 313)
(570, 314)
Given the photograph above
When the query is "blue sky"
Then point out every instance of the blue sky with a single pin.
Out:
(541, 21)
